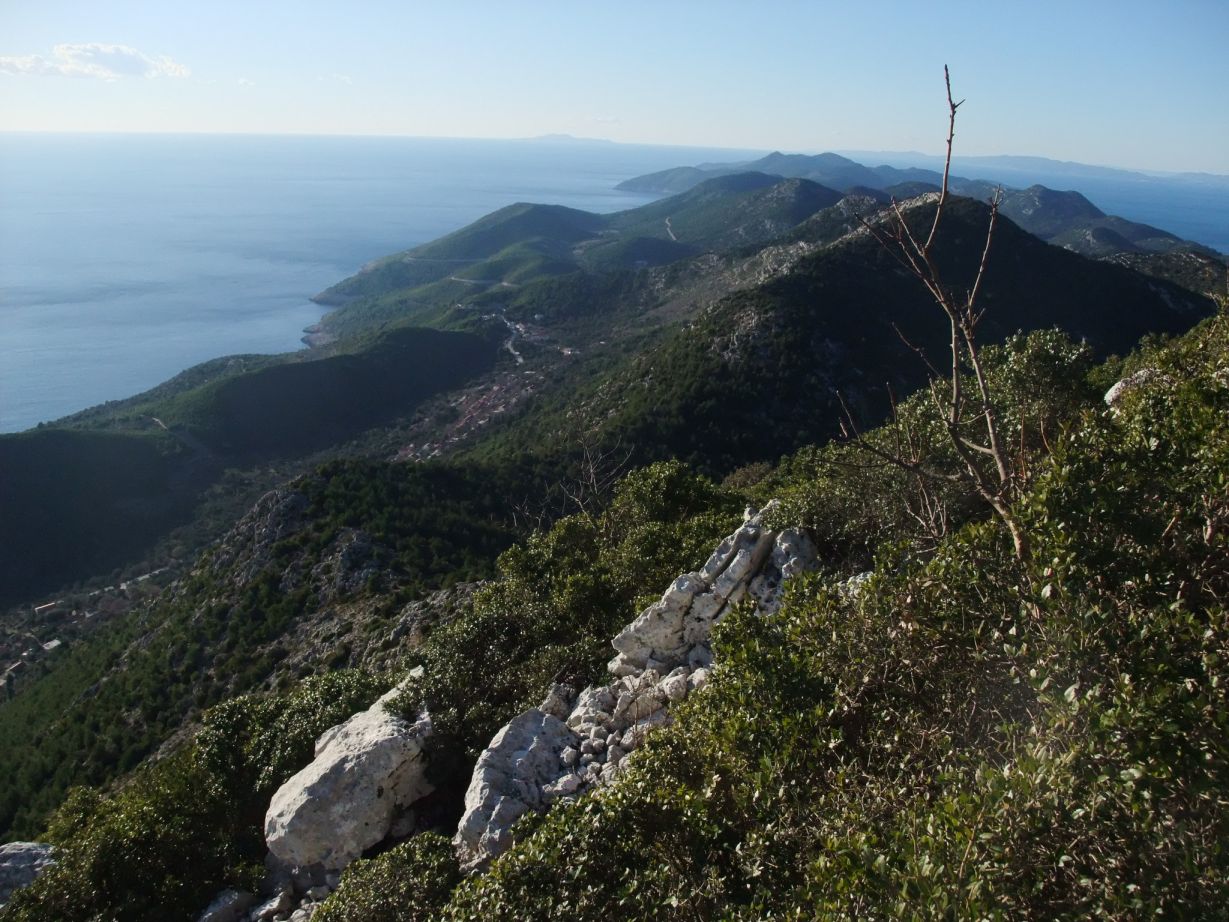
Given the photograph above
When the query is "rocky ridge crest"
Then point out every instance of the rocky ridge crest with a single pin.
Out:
(573, 742)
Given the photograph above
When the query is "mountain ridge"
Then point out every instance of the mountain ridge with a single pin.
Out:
(1056, 225)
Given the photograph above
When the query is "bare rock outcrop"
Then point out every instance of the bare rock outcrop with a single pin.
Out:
(511, 776)
(20, 864)
(573, 742)
(1131, 384)
(228, 906)
(366, 771)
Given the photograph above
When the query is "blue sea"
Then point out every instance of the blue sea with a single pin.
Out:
(125, 259)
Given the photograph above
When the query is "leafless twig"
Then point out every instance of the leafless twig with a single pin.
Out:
(998, 481)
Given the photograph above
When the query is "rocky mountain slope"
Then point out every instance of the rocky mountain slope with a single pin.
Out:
(778, 732)
(533, 304)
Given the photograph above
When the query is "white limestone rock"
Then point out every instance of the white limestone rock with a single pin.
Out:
(752, 560)
(638, 703)
(341, 804)
(508, 781)
(278, 905)
(637, 733)
(658, 632)
(20, 865)
(563, 787)
(593, 709)
(548, 754)
(704, 613)
(228, 906)
(621, 666)
(558, 701)
(1131, 383)
(792, 553)
(851, 588)
(744, 563)
(675, 686)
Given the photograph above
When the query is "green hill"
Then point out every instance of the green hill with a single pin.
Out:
(936, 733)
(522, 244)
(729, 211)
(299, 407)
(522, 224)
(80, 501)
(822, 323)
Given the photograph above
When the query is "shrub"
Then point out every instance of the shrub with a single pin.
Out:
(409, 883)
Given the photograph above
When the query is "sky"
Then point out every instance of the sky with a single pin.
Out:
(1141, 84)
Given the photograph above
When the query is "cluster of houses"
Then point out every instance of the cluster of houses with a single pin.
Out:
(27, 638)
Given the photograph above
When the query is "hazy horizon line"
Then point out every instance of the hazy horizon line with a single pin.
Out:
(563, 137)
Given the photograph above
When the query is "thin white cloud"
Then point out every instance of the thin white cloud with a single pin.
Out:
(244, 81)
(343, 78)
(93, 59)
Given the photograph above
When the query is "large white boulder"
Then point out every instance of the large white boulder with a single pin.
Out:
(366, 770)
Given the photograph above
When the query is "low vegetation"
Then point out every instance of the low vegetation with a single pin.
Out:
(995, 699)
(159, 847)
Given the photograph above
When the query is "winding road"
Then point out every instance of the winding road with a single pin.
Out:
(510, 343)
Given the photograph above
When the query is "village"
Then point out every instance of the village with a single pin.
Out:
(450, 424)
(30, 636)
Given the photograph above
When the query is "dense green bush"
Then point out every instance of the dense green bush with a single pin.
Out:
(967, 736)
(253, 743)
(152, 851)
(853, 500)
(409, 883)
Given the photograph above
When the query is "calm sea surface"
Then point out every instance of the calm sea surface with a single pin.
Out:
(125, 259)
